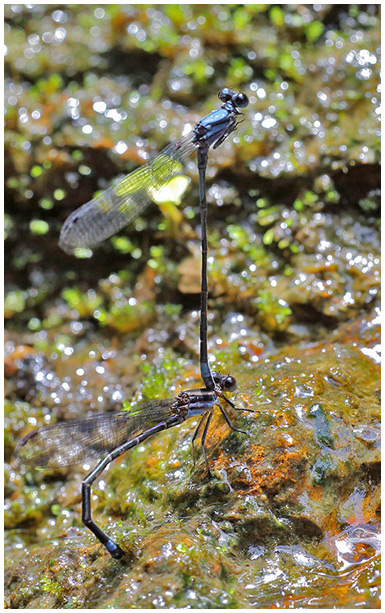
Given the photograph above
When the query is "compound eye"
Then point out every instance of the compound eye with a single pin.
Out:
(229, 383)
(241, 100)
(225, 94)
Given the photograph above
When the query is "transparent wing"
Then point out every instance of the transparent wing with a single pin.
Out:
(120, 204)
(79, 440)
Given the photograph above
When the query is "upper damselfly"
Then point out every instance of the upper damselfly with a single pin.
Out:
(122, 203)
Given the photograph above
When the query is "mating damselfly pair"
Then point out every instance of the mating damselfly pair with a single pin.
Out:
(108, 436)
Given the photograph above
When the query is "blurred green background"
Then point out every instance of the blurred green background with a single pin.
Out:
(90, 92)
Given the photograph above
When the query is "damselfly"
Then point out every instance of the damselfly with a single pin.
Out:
(109, 435)
(119, 205)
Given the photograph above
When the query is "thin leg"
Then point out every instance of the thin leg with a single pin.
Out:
(206, 373)
(229, 422)
(203, 439)
(231, 128)
(196, 434)
(234, 407)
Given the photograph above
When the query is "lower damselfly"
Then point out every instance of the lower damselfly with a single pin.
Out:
(121, 203)
(107, 436)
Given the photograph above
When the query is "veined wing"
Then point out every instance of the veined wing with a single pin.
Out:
(120, 204)
(79, 440)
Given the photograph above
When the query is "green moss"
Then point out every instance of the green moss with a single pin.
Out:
(36, 171)
(51, 586)
(84, 303)
(314, 30)
(14, 302)
(273, 313)
(323, 431)
(59, 194)
(38, 226)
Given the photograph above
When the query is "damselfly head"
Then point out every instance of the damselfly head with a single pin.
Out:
(237, 98)
(241, 100)
(227, 383)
